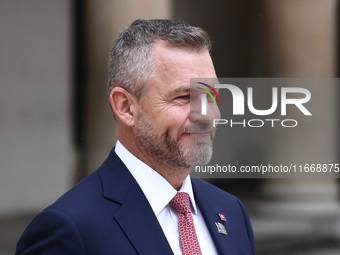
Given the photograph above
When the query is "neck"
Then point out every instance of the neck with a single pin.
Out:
(174, 175)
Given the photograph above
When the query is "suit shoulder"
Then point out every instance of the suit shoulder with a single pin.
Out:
(83, 195)
(50, 232)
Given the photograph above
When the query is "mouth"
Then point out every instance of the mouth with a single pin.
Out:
(201, 136)
(197, 138)
(194, 137)
(199, 133)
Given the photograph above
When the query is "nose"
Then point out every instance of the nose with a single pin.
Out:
(203, 110)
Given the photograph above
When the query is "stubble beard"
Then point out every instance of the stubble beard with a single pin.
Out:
(168, 151)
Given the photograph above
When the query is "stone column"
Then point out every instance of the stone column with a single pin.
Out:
(36, 150)
(300, 42)
(104, 19)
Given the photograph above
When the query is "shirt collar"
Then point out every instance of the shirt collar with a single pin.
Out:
(157, 190)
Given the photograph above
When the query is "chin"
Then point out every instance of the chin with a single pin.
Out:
(201, 141)
(200, 154)
(185, 141)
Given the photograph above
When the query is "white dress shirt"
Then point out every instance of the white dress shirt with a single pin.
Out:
(159, 193)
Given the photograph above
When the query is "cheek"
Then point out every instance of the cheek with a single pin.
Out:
(178, 124)
(168, 119)
(175, 121)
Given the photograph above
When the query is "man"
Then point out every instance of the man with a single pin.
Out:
(142, 200)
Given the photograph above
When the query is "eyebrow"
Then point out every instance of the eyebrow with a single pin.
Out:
(180, 90)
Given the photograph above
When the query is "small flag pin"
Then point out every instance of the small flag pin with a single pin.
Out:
(221, 229)
(222, 218)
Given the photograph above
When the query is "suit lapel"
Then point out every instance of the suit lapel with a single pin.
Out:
(139, 223)
(135, 215)
(210, 211)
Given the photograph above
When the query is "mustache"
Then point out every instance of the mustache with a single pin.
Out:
(198, 127)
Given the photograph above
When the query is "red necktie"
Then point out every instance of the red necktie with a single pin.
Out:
(186, 228)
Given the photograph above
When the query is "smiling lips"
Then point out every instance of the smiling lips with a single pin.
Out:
(200, 133)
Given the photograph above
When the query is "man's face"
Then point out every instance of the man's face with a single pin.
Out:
(166, 130)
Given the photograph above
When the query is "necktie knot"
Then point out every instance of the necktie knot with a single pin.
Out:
(181, 203)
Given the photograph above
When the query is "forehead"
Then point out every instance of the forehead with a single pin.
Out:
(174, 66)
(165, 55)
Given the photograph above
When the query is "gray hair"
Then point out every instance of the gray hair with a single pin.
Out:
(131, 60)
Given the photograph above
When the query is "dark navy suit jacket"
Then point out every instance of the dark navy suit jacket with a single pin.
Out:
(107, 213)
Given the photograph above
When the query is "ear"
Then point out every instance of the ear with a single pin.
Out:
(123, 105)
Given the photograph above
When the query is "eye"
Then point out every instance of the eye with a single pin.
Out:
(183, 98)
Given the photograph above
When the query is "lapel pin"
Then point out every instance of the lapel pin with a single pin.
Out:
(221, 229)
(222, 218)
